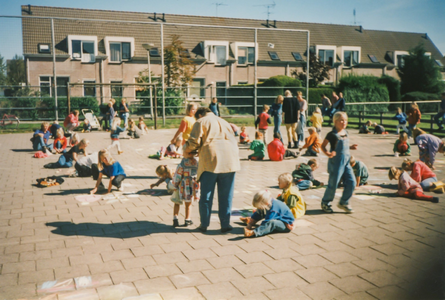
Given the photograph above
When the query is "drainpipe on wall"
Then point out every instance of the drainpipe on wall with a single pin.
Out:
(287, 70)
(101, 77)
(27, 71)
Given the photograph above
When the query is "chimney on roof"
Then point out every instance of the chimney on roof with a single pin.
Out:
(163, 17)
(155, 18)
(267, 23)
(361, 28)
(275, 23)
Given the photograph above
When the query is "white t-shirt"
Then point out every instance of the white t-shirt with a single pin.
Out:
(88, 160)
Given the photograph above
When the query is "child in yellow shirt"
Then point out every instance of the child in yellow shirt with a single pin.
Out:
(317, 119)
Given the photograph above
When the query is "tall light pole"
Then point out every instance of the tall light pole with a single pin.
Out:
(148, 47)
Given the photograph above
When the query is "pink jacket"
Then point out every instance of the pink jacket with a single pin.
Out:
(421, 171)
(407, 184)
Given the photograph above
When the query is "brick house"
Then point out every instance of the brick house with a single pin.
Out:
(99, 46)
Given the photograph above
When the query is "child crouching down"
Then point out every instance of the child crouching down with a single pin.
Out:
(258, 147)
(165, 174)
(86, 126)
(291, 196)
(365, 128)
(313, 143)
(402, 146)
(408, 187)
(172, 150)
(277, 216)
(187, 187)
(276, 149)
(360, 171)
(379, 129)
(107, 166)
(303, 175)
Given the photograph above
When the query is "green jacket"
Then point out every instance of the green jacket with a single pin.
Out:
(258, 147)
(304, 172)
(396, 144)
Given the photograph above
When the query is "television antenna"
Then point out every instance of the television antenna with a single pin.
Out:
(355, 20)
(269, 7)
(218, 5)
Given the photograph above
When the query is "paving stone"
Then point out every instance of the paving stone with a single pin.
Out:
(222, 275)
(147, 250)
(156, 285)
(255, 246)
(312, 261)
(351, 284)
(252, 285)
(8, 279)
(172, 257)
(185, 294)
(321, 290)
(252, 257)
(381, 278)
(19, 267)
(117, 292)
(345, 269)
(36, 276)
(287, 293)
(106, 267)
(198, 254)
(189, 280)
(194, 266)
(162, 270)
(285, 279)
(389, 292)
(225, 261)
(70, 272)
(359, 295)
(316, 274)
(227, 250)
(253, 269)
(221, 290)
(283, 265)
(281, 253)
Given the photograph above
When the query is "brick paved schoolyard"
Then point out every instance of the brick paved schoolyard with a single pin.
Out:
(55, 247)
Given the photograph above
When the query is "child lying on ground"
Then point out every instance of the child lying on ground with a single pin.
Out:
(360, 171)
(303, 175)
(422, 174)
(258, 147)
(408, 187)
(277, 216)
(187, 188)
(165, 174)
(313, 143)
(402, 146)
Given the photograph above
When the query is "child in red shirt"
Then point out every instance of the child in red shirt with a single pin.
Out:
(244, 137)
(407, 187)
(262, 122)
(60, 142)
(276, 149)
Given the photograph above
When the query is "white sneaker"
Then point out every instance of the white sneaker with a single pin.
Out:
(347, 208)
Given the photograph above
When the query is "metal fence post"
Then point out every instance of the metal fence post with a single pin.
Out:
(381, 118)
(68, 98)
(163, 74)
(359, 119)
(156, 107)
(54, 69)
(432, 124)
(255, 92)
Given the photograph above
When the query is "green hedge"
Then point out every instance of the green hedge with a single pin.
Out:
(393, 86)
(418, 97)
(358, 89)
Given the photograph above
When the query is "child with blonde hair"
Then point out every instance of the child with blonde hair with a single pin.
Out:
(166, 174)
(133, 131)
(187, 186)
(401, 117)
(277, 113)
(258, 147)
(379, 129)
(277, 216)
(338, 164)
(364, 129)
(360, 171)
(244, 136)
(291, 196)
(187, 123)
(317, 119)
(402, 146)
(142, 126)
(67, 159)
(115, 130)
(109, 167)
(422, 174)
(408, 187)
(414, 117)
(60, 141)
(313, 143)
(173, 150)
(74, 139)
(262, 122)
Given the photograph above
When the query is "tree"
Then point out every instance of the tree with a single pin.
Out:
(419, 72)
(318, 71)
(2, 71)
(179, 68)
(16, 70)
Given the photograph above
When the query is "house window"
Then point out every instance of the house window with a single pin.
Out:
(120, 51)
(83, 50)
(116, 89)
(89, 90)
(373, 58)
(326, 56)
(297, 56)
(400, 60)
(221, 91)
(216, 51)
(243, 82)
(44, 48)
(246, 55)
(197, 88)
(47, 86)
(273, 55)
(350, 57)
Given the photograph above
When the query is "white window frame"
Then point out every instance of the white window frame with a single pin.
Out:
(82, 38)
(83, 90)
(397, 53)
(117, 39)
(350, 48)
(116, 82)
(327, 47)
(210, 54)
(235, 45)
(52, 84)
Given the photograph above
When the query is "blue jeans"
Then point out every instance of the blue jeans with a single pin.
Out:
(300, 128)
(437, 118)
(64, 162)
(270, 227)
(310, 151)
(125, 118)
(38, 143)
(277, 123)
(226, 185)
(426, 184)
(304, 185)
(410, 129)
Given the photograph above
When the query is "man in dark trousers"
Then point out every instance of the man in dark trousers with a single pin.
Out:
(291, 114)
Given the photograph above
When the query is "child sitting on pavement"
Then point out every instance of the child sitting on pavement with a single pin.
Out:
(408, 187)
(402, 146)
(303, 175)
(165, 174)
(276, 149)
(291, 196)
(360, 171)
(60, 141)
(258, 147)
(422, 174)
(187, 188)
(142, 126)
(86, 126)
(364, 129)
(277, 216)
(313, 143)
(172, 150)
(379, 129)
(244, 136)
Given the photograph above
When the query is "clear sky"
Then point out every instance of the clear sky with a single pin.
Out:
(424, 16)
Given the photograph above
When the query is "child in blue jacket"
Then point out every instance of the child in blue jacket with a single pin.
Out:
(401, 117)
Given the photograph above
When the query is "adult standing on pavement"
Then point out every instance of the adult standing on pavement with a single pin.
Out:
(277, 113)
(326, 105)
(302, 120)
(213, 138)
(124, 111)
(441, 113)
(339, 105)
(291, 112)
